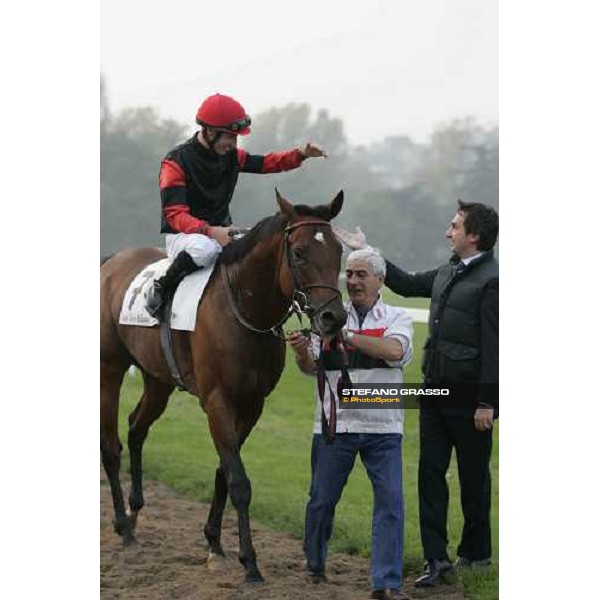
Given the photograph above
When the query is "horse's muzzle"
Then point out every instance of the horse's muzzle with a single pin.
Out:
(329, 321)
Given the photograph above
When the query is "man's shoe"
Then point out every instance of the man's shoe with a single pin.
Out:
(434, 569)
(388, 594)
(466, 563)
(316, 576)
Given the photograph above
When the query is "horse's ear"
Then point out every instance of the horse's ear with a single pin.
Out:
(286, 207)
(336, 205)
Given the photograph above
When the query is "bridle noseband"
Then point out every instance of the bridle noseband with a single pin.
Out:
(300, 304)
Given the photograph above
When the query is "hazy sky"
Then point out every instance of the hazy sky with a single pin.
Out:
(396, 67)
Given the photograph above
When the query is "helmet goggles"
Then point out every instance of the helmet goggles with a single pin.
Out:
(236, 126)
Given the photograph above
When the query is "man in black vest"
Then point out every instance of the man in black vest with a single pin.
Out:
(461, 349)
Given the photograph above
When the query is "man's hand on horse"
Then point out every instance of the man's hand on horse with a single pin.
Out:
(221, 235)
(356, 240)
(313, 151)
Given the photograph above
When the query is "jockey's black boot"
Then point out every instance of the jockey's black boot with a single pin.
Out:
(164, 288)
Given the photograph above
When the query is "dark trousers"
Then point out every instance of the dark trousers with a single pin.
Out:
(439, 433)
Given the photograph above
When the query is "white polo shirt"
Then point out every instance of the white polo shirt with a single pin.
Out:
(382, 321)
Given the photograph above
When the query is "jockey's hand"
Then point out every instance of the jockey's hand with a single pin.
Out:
(221, 235)
(313, 151)
(298, 342)
(484, 418)
(356, 240)
(237, 233)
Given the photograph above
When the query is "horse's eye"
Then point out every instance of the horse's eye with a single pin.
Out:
(298, 254)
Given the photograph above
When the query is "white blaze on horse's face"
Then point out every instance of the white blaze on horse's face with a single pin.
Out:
(320, 237)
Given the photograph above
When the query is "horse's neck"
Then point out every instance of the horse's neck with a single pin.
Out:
(257, 287)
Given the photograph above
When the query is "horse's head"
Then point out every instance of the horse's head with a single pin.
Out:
(313, 260)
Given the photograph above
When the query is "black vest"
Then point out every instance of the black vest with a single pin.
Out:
(210, 182)
(453, 348)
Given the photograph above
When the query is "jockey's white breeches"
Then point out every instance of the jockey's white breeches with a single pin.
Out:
(203, 250)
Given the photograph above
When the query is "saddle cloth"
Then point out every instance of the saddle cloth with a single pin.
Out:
(185, 304)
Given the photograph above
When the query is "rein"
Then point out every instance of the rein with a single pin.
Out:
(274, 330)
(299, 304)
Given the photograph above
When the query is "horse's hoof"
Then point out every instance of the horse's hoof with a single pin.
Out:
(216, 563)
(125, 526)
(255, 577)
(129, 540)
(132, 516)
(216, 551)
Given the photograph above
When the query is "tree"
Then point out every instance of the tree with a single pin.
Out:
(408, 224)
(132, 145)
(455, 161)
(317, 181)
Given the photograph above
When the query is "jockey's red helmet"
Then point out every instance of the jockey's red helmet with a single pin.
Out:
(224, 114)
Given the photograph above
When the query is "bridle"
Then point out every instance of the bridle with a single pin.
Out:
(299, 304)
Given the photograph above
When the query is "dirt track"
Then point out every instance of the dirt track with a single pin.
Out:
(170, 559)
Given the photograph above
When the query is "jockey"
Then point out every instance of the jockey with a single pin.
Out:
(197, 180)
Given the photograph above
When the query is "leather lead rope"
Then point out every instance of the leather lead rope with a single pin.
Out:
(328, 428)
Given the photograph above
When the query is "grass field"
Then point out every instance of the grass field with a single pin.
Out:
(179, 452)
(395, 300)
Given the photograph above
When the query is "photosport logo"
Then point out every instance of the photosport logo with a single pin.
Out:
(382, 396)
(413, 395)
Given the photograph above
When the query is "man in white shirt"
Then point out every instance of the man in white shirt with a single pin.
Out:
(379, 339)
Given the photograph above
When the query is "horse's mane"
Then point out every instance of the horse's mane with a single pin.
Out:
(266, 229)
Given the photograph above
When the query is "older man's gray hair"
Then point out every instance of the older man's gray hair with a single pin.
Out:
(372, 256)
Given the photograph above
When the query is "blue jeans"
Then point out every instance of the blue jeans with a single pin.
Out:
(381, 455)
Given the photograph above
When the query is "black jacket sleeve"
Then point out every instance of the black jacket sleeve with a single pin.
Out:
(409, 284)
(488, 392)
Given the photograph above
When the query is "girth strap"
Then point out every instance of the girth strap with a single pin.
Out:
(166, 341)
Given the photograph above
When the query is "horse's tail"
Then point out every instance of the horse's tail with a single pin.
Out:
(105, 258)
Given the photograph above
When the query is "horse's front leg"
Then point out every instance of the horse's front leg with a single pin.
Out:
(212, 529)
(228, 437)
(240, 492)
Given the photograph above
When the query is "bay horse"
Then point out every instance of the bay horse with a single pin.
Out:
(232, 360)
